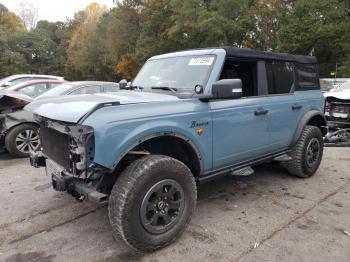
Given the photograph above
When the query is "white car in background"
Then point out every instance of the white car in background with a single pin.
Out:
(337, 112)
(15, 79)
(337, 104)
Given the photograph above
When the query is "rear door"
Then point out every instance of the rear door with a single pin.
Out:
(285, 107)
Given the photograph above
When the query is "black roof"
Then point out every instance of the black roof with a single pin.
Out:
(251, 53)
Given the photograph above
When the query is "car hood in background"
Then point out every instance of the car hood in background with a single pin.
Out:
(73, 108)
(338, 95)
(10, 100)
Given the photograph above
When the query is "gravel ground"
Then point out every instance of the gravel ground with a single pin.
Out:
(269, 216)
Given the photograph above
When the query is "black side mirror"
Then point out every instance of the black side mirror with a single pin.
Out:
(227, 88)
(123, 83)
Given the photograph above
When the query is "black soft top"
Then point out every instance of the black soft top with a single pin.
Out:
(250, 53)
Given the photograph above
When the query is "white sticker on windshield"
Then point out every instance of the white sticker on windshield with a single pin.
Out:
(201, 61)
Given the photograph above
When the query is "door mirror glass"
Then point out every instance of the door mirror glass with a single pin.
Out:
(227, 89)
(6, 84)
(123, 84)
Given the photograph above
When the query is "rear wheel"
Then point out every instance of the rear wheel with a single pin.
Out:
(152, 202)
(307, 153)
(22, 139)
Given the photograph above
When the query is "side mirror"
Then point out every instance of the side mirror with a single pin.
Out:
(226, 89)
(123, 83)
(6, 84)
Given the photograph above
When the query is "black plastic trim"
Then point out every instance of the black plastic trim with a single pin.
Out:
(227, 170)
(95, 108)
(303, 122)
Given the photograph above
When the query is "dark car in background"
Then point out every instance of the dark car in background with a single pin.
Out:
(19, 132)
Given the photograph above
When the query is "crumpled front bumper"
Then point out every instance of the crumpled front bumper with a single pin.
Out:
(63, 182)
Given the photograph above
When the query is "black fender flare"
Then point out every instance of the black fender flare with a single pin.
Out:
(163, 134)
(305, 119)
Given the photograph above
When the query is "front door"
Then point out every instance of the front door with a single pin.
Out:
(240, 130)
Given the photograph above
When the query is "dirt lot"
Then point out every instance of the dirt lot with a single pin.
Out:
(268, 216)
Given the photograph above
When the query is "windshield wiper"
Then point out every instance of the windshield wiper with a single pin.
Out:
(174, 90)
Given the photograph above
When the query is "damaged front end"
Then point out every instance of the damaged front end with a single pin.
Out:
(13, 101)
(10, 102)
(67, 153)
(337, 112)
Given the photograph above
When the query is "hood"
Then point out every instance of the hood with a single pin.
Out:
(339, 95)
(73, 108)
(12, 100)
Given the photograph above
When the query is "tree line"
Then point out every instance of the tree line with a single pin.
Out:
(110, 44)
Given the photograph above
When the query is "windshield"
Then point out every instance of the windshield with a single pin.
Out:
(344, 87)
(177, 73)
(56, 91)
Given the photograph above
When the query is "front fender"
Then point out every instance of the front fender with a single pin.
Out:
(113, 140)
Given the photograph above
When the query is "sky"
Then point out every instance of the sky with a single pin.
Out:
(55, 10)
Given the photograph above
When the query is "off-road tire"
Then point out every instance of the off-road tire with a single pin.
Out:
(298, 165)
(129, 192)
(10, 139)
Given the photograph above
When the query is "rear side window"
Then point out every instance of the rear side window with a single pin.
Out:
(280, 77)
(112, 88)
(307, 77)
(86, 90)
(20, 80)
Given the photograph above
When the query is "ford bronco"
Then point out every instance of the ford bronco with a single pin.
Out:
(188, 117)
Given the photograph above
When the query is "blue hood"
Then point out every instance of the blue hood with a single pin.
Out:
(73, 108)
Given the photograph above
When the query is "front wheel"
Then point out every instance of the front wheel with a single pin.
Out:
(307, 153)
(152, 202)
(22, 139)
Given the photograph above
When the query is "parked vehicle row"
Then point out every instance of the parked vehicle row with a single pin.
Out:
(16, 79)
(18, 130)
(337, 111)
(188, 117)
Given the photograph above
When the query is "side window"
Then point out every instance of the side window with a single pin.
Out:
(280, 77)
(34, 90)
(52, 85)
(86, 90)
(20, 80)
(246, 71)
(111, 88)
(307, 77)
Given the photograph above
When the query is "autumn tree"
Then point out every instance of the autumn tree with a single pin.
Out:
(9, 21)
(117, 36)
(82, 51)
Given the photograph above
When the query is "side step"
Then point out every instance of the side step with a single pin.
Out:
(246, 171)
(283, 158)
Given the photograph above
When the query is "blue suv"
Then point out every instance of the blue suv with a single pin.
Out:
(188, 117)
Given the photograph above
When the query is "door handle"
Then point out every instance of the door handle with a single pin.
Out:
(296, 107)
(261, 111)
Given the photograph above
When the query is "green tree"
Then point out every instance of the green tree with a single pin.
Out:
(267, 16)
(117, 35)
(155, 23)
(320, 28)
(12, 63)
